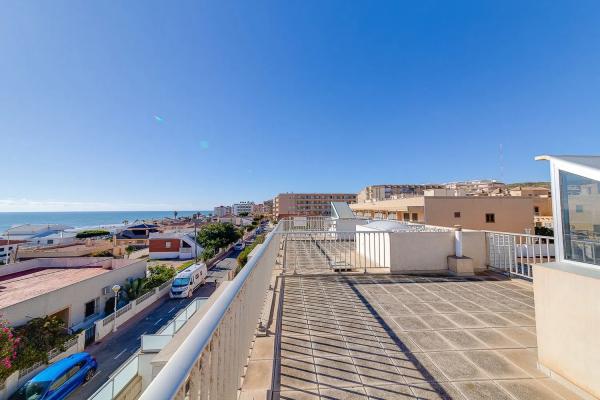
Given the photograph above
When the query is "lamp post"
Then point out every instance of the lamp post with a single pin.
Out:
(115, 289)
(195, 217)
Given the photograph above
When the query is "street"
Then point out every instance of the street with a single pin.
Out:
(116, 348)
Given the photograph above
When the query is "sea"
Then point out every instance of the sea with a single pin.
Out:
(80, 219)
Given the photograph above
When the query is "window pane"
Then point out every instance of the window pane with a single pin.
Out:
(580, 207)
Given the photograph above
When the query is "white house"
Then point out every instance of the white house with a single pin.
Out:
(41, 234)
(174, 245)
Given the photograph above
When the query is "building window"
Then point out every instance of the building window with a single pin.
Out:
(536, 210)
(167, 245)
(406, 216)
(580, 209)
(490, 218)
(90, 308)
(456, 214)
(415, 217)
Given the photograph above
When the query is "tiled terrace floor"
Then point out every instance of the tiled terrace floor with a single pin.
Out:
(394, 337)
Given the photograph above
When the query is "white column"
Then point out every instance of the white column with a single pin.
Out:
(458, 241)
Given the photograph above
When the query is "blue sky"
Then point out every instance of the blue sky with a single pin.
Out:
(119, 105)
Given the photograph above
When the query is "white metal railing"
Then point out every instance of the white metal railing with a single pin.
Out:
(322, 252)
(119, 380)
(210, 361)
(309, 223)
(517, 254)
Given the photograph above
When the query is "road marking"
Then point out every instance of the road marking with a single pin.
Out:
(171, 310)
(119, 355)
(156, 323)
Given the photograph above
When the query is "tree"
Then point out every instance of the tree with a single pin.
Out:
(217, 235)
(134, 288)
(158, 275)
(129, 249)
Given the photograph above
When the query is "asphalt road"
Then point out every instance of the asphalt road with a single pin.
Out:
(114, 349)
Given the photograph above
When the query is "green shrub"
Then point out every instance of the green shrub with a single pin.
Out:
(92, 233)
(158, 275)
(102, 253)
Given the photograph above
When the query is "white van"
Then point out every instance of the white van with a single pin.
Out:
(188, 280)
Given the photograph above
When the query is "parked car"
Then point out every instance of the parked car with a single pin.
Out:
(239, 246)
(59, 379)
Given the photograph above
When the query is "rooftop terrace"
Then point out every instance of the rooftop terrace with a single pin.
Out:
(396, 337)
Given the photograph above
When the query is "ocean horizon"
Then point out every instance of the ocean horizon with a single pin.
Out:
(79, 219)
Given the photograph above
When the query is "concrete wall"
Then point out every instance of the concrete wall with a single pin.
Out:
(415, 252)
(567, 314)
(72, 297)
(512, 214)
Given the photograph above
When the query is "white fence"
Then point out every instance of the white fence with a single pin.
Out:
(119, 380)
(106, 325)
(517, 254)
(210, 362)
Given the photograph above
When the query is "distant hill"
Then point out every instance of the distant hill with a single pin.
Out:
(536, 184)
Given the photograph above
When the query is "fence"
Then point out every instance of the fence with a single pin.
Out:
(105, 325)
(517, 254)
(210, 362)
(119, 380)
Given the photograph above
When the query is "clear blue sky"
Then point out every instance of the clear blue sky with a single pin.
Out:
(185, 105)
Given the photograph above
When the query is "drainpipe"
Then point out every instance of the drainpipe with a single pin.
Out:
(458, 241)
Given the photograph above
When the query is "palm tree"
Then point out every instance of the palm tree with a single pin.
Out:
(134, 288)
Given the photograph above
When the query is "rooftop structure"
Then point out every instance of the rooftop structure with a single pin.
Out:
(505, 214)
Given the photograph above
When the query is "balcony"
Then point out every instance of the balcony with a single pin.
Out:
(322, 314)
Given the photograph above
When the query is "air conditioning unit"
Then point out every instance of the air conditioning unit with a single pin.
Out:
(106, 290)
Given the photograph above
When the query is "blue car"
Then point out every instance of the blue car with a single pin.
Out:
(59, 379)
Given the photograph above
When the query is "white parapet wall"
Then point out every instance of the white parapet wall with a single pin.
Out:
(413, 252)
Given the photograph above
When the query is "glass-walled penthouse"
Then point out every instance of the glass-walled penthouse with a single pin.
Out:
(576, 193)
(580, 211)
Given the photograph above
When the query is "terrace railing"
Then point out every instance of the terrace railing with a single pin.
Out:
(517, 254)
(211, 361)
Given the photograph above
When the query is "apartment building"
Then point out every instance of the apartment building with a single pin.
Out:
(222, 211)
(7, 249)
(506, 214)
(307, 204)
(385, 192)
(244, 207)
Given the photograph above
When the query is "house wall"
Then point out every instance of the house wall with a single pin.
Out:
(160, 245)
(567, 315)
(72, 297)
(512, 214)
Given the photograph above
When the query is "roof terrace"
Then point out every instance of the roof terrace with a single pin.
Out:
(347, 315)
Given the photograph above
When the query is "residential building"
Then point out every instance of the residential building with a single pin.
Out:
(42, 234)
(530, 191)
(482, 187)
(174, 245)
(222, 211)
(506, 214)
(244, 207)
(238, 221)
(542, 203)
(135, 235)
(385, 192)
(8, 248)
(307, 204)
(268, 207)
(79, 248)
(73, 289)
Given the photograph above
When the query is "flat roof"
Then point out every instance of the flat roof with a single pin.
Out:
(21, 286)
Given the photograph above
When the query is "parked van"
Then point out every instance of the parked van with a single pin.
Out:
(188, 280)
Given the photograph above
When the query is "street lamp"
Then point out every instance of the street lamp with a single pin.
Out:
(115, 289)
(195, 218)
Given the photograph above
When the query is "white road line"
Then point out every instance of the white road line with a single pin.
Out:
(156, 323)
(171, 310)
(119, 355)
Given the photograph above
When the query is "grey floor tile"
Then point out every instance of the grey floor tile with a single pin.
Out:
(389, 392)
(297, 395)
(430, 341)
(455, 366)
(348, 393)
(436, 391)
(411, 323)
(465, 320)
(438, 321)
(528, 389)
(337, 372)
(483, 390)
(461, 339)
(496, 366)
(298, 374)
(492, 338)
